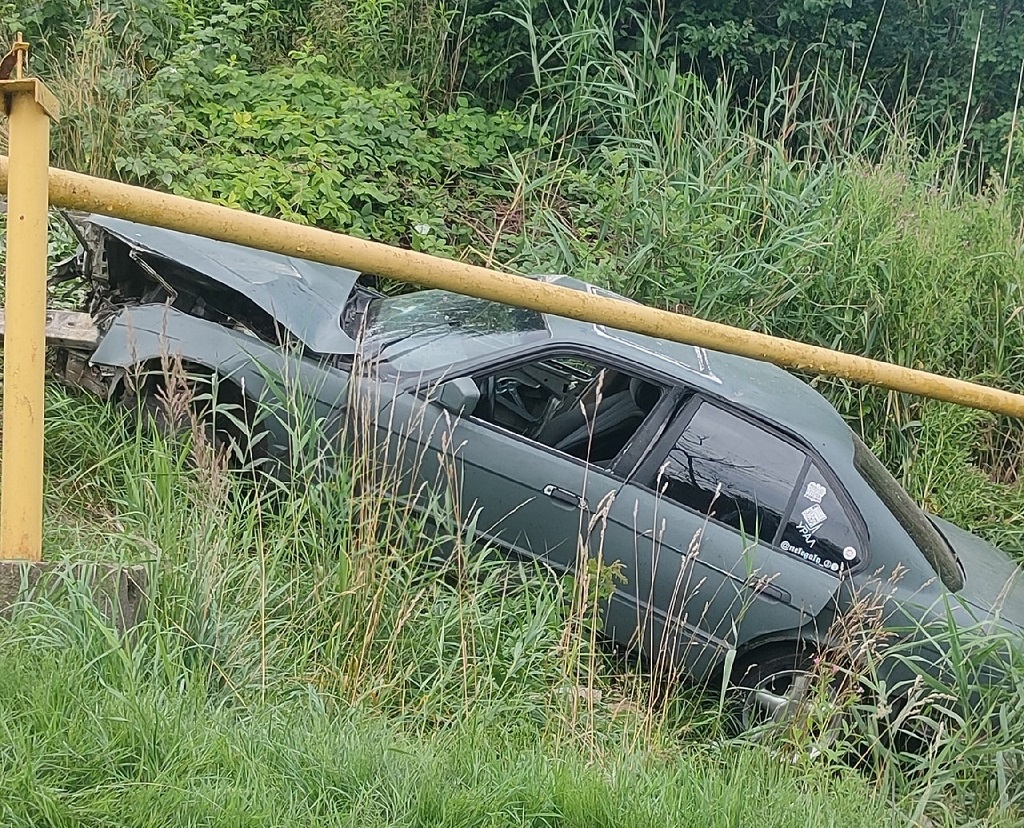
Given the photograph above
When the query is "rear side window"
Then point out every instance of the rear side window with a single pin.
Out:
(752, 480)
(733, 471)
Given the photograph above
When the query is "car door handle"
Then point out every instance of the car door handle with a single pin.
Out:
(565, 496)
(762, 586)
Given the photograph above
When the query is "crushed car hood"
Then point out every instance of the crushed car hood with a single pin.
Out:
(306, 298)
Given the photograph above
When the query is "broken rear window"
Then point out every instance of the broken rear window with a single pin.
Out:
(432, 329)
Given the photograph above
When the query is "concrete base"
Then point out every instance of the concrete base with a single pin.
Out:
(118, 592)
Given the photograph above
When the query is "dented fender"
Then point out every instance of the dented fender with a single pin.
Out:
(143, 333)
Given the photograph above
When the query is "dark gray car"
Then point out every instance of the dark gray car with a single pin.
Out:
(744, 513)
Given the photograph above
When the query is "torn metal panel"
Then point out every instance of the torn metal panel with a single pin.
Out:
(146, 333)
(65, 329)
(75, 371)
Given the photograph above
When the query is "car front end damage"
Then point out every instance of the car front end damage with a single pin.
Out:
(152, 294)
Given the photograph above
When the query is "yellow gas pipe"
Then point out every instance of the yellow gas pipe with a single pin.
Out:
(80, 192)
(30, 107)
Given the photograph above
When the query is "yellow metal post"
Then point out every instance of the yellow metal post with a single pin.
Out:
(29, 106)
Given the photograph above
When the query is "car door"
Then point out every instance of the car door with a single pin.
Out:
(713, 545)
(528, 497)
(508, 491)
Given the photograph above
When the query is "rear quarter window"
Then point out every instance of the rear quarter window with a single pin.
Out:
(819, 528)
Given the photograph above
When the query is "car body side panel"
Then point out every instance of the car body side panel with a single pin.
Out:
(691, 587)
(695, 589)
(140, 335)
(516, 494)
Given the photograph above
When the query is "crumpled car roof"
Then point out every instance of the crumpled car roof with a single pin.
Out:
(305, 297)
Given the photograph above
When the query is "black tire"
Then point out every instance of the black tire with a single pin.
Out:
(819, 716)
(148, 407)
(173, 428)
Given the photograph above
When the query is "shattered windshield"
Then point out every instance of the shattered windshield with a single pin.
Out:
(433, 329)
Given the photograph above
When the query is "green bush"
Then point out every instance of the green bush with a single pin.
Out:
(300, 143)
(52, 26)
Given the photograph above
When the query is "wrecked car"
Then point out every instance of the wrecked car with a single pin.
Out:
(744, 515)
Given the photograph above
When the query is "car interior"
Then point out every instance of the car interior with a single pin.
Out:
(574, 406)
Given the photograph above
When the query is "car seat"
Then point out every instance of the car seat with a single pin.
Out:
(619, 413)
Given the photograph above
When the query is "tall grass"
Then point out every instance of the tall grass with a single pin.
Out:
(96, 85)
(313, 615)
(375, 42)
(327, 582)
(85, 742)
(310, 651)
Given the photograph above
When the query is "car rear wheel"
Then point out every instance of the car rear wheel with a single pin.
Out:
(782, 690)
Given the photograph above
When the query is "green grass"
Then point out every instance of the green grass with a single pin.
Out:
(302, 661)
(86, 741)
(299, 663)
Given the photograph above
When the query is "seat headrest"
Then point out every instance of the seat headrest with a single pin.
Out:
(644, 394)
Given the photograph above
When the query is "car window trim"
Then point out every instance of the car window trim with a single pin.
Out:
(793, 497)
(670, 393)
(861, 449)
(659, 454)
(647, 436)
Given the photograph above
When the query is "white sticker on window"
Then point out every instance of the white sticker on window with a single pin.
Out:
(814, 516)
(849, 553)
(815, 492)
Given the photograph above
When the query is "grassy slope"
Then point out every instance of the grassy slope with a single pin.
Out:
(297, 668)
(298, 665)
(86, 744)
(270, 646)
(280, 679)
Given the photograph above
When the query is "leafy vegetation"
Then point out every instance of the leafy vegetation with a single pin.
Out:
(959, 61)
(814, 170)
(299, 143)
